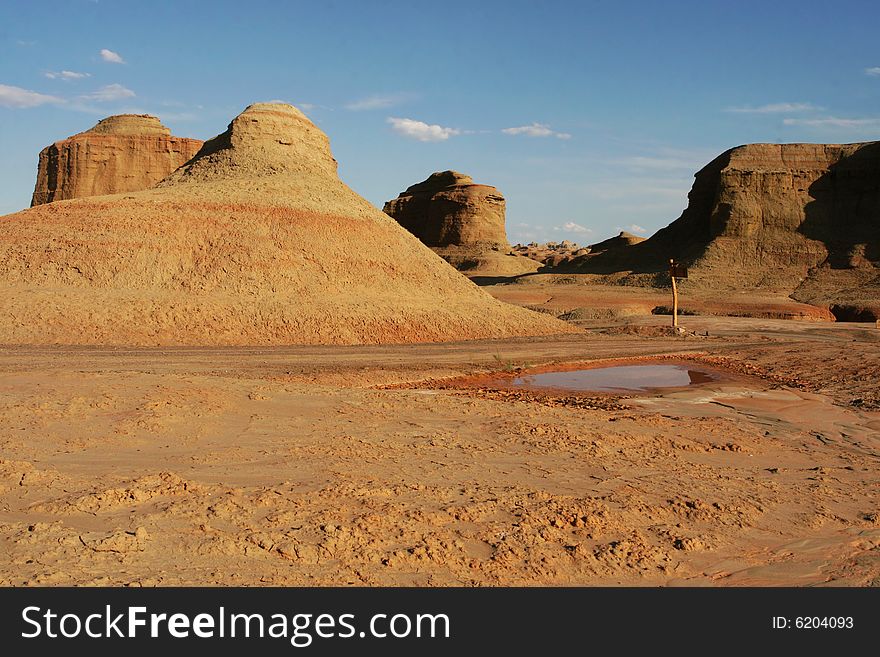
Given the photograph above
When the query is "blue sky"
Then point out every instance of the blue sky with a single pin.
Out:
(588, 116)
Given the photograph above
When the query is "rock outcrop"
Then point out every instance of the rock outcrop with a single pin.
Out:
(622, 240)
(254, 241)
(461, 221)
(123, 153)
(551, 254)
(791, 219)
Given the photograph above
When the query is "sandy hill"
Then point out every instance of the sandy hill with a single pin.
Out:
(254, 241)
(461, 221)
(621, 240)
(122, 153)
(793, 219)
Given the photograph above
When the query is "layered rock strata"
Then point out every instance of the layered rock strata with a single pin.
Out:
(123, 153)
(255, 241)
(461, 221)
(791, 219)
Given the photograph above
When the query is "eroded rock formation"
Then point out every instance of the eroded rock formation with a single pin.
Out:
(254, 241)
(123, 153)
(461, 221)
(622, 240)
(791, 219)
(551, 254)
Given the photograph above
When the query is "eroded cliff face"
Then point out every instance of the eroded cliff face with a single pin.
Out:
(461, 221)
(449, 209)
(784, 212)
(124, 153)
(792, 219)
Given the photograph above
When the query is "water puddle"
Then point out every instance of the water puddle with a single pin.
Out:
(614, 378)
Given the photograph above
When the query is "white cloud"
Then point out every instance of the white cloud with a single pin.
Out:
(66, 75)
(635, 228)
(660, 160)
(627, 187)
(874, 70)
(663, 163)
(308, 107)
(112, 57)
(378, 101)
(571, 227)
(421, 131)
(536, 130)
(21, 98)
(175, 116)
(109, 93)
(775, 108)
(835, 122)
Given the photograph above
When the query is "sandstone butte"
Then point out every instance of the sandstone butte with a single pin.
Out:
(801, 220)
(123, 153)
(461, 221)
(254, 241)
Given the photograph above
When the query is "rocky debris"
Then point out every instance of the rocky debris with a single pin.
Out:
(255, 240)
(123, 153)
(119, 541)
(551, 254)
(461, 221)
(789, 219)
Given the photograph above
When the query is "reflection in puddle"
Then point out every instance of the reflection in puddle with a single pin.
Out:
(618, 378)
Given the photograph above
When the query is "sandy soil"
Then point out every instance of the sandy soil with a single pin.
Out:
(582, 296)
(356, 465)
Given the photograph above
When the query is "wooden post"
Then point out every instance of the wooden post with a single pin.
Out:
(674, 293)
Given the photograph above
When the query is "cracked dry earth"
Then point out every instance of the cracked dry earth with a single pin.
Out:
(347, 466)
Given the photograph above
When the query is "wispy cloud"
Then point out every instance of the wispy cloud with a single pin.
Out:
(873, 71)
(112, 57)
(178, 116)
(379, 101)
(633, 228)
(835, 122)
(572, 227)
(309, 107)
(775, 108)
(109, 93)
(536, 130)
(19, 98)
(25, 44)
(627, 188)
(66, 75)
(658, 160)
(420, 130)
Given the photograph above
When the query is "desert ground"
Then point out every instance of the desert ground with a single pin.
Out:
(395, 465)
(156, 428)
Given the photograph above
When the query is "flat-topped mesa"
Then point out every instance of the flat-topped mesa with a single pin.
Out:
(449, 209)
(801, 220)
(461, 221)
(772, 215)
(122, 153)
(267, 139)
